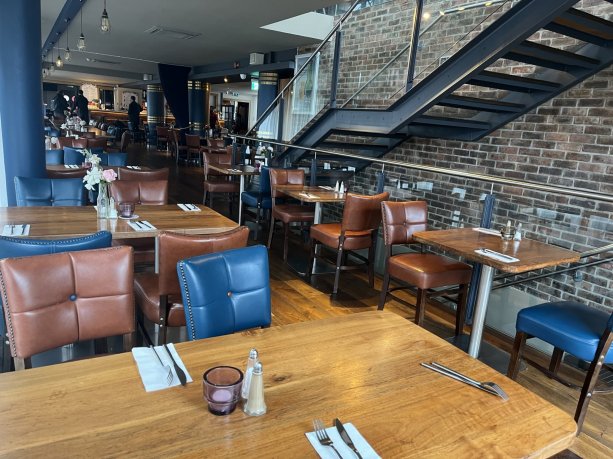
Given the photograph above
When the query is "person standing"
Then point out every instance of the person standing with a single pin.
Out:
(134, 110)
(60, 106)
(80, 104)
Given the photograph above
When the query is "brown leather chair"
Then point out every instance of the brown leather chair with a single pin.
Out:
(81, 143)
(216, 144)
(58, 299)
(96, 143)
(126, 139)
(194, 151)
(142, 175)
(287, 213)
(65, 141)
(148, 192)
(215, 182)
(88, 135)
(158, 295)
(423, 270)
(152, 192)
(162, 136)
(358, 230)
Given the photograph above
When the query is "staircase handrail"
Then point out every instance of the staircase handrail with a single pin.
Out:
(577, 192)
(304, 66)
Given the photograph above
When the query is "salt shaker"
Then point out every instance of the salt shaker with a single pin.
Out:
(255, 405)
(251, 361)
(517, 235)
(112, 211)
(336, 187)
(341, 189)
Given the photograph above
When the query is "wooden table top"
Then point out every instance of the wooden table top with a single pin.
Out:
(531, 254)
(362, 368)
(63, 222)
(234, 170)
(62, 168)
(312, 193)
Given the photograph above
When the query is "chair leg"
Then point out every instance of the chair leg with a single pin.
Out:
(22, 364)
(339, 263)
(128, 342)
(384, 289)
(371, 266)
(591, 378)
(518, 350)
(420, 306)
(461, 309)
(258, 214)
(204, 197)
(285, 240)
(271, 230)
(556, 359)
(312, 256)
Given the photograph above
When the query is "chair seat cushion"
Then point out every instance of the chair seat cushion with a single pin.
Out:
(293, 213)
(568, 325)
(147, 297)
(428, 270)
(250, 199)
(329, 234)
(221, 186)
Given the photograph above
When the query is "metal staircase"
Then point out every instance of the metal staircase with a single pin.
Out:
(439, 107)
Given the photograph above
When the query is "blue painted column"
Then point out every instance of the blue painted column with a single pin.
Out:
(21, 96)
(206, 93)
(155, 109)
(196, 106)
(267, 91)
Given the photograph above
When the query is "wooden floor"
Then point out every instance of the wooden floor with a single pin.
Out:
(294, 300)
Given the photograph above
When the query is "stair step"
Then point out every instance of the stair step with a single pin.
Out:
(363, 133)
(546, 56)
(474, 103)
(583, 26)
(449, 122)
(511, 82)
(354, 146)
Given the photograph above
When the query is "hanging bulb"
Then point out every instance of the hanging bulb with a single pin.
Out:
(58, 63)
(105, 24)
(67, 54)
(81, 42)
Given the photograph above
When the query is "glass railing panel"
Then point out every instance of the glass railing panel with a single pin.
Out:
(269, 127)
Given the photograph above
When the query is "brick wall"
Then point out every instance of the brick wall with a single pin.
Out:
(567, 141)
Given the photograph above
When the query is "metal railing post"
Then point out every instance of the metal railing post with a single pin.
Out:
(419, 6)
(338, 41)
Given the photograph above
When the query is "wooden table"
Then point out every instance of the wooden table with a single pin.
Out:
(463, 242)
(315, 194)
(362, 368)
(237, 170)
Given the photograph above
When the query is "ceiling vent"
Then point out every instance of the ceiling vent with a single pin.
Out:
(171, 33)
(256, 59)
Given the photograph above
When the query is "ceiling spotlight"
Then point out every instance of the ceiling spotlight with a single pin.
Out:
(243, 76)
(426, 15)
(225, 79)
(81, 40)
(67, 52)
(105, 24)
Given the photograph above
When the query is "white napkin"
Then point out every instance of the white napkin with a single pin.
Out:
(329, 188)
(307, 195)
(71, 166)
(493, 232)
(497, 256)
(151, 372)
(326, 452)
(142, 225)
(133, 167)
(16, 230)
(189, 207)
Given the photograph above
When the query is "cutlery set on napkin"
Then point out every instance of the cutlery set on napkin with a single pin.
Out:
(340, 441)
(71, 166)
(154, 365)
(133, 167)
(496, 255)
(189, 207)
(141, 225)
(16, 230)
(308, 195)
(235, 170)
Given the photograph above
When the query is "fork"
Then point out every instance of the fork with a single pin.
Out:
(169, 376)
(322, 436)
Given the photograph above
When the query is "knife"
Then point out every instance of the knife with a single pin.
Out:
(178, 369)
(501, 255)
(345, 437)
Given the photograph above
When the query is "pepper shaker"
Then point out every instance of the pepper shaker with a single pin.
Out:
(255, 405)
(251, 361)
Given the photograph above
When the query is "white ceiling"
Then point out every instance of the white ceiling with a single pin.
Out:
(230, 30)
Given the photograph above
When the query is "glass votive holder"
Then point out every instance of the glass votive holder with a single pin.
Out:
(126, 209)
(221, 387)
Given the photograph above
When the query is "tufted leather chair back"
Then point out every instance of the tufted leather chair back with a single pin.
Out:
(215, 158)
(54, 157)
(192, 141)
(65, 141)
(142, 175)
(285, 177)
(126, 138)
(115, 159)
(58, 299)
(31, 192)
(81, 143)
(73, 156)
(20, 247)
(217, 144)
(225, 292)
(402, 219)
(174, 247)
(362, 213)
(149, 192)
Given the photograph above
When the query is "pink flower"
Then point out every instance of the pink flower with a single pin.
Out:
(109, 175)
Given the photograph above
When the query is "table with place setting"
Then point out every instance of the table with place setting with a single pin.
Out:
(364, 369)
(241, 171)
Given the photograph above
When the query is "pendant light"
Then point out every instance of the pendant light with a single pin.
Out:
(105, 23)
(58, 63)
(67, 53)
(81, 41)
(52, 66)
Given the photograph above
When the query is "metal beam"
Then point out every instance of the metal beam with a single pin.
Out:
(69, 11)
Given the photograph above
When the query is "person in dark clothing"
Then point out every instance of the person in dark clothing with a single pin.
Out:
(134, 110)
(59, 105)
(80, 104)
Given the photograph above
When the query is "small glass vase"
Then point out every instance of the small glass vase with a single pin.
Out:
(102, 204)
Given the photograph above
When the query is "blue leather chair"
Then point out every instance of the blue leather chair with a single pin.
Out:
(225, 292)
(11, 247)
(31, 191)
(73, 156)
(570, 327)
(115, 159)
(54, 157)
(259, 199)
